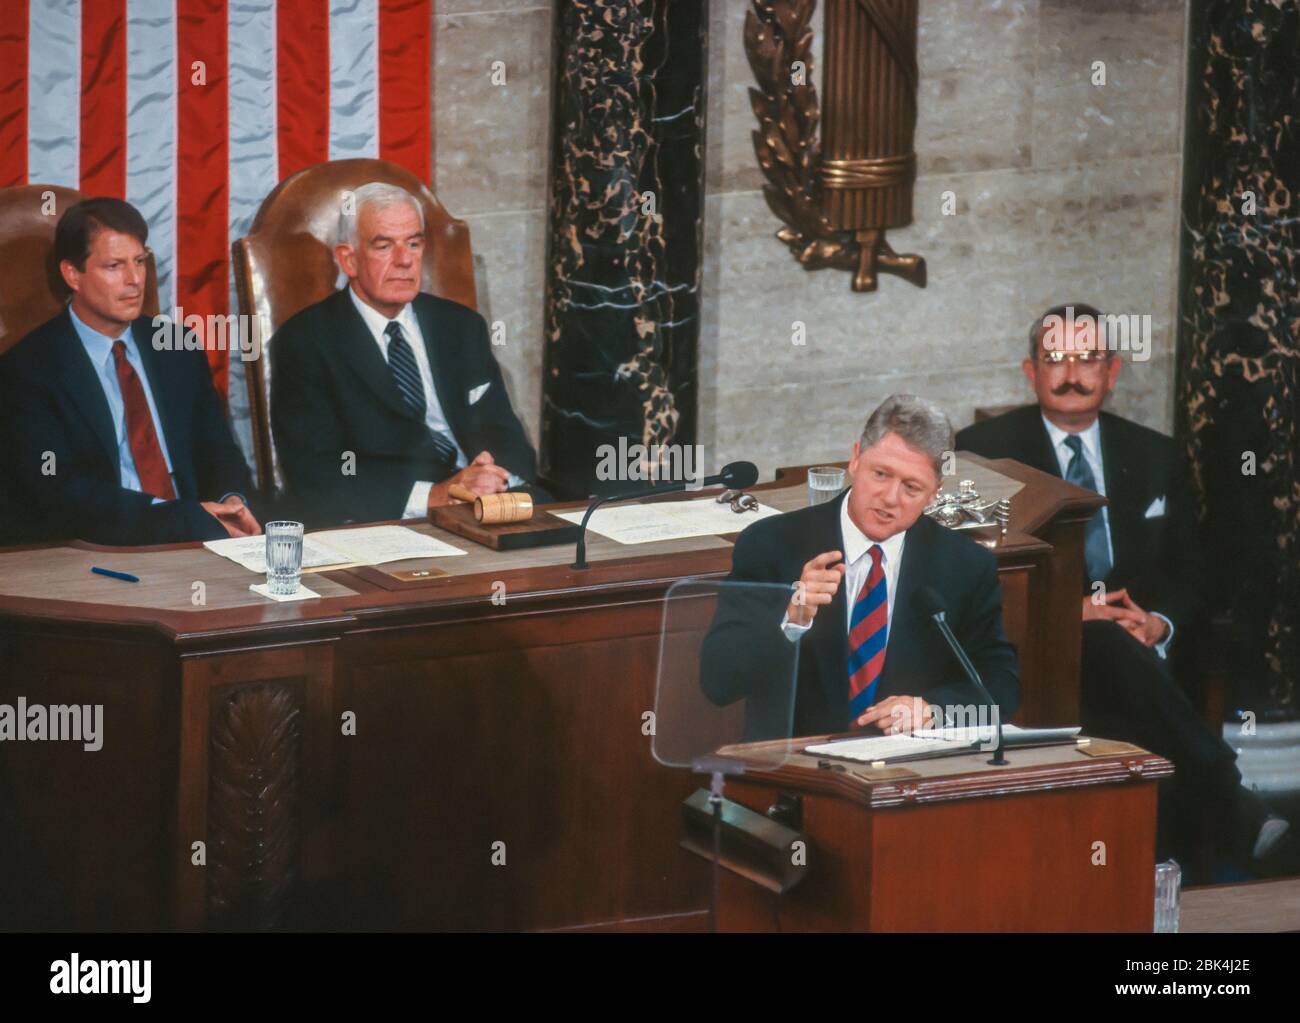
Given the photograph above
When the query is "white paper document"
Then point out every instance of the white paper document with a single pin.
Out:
(935, 741)
(667, 520)
(367, 545)
(888, 747)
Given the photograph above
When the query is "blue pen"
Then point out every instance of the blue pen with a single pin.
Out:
(116, 575)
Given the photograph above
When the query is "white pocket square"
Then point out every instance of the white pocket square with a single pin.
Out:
(477, 392)
(1157, 508)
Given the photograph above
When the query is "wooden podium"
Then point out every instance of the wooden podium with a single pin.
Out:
(1061, 839)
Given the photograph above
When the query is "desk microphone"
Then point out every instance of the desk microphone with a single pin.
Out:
(734, 476)
(930, 604)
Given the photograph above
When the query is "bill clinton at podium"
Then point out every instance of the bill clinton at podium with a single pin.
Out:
(870, 657)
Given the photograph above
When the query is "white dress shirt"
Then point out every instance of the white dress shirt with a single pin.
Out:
(417, 502)
(1091, 438)
(857, 566)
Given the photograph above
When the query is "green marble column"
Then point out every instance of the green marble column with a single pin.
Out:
(1239, 331)
(624, 247)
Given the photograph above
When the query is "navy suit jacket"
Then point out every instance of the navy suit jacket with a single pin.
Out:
(332, 392)
(51, 403)
(737, 651)
(1157, 558)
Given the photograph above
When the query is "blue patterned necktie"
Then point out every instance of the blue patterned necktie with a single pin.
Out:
(1096, 548)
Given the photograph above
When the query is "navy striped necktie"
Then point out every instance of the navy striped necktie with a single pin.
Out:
(401, 363)
(406, 375)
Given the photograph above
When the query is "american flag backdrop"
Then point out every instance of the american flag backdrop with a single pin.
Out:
(193, 110)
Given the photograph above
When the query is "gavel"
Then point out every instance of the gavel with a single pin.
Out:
(494, 509)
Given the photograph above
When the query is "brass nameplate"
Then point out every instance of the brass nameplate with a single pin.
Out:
(411, 575)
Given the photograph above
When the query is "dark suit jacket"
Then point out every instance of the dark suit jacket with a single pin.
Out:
(332, 392)
(51, 401)
(1157, 559)
(738, 650)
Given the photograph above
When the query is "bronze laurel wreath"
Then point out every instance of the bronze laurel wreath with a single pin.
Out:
(778, 42)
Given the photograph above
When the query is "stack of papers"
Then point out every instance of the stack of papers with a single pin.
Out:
(368, 545)
(667, 520)
(938, 741)
(879, 748)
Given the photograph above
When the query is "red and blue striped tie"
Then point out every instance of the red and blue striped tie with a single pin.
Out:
(868, 633)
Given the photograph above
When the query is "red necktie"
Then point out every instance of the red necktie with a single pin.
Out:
(150, 465)
(868, 636)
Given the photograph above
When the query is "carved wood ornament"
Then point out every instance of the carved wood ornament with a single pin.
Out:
(837, 197)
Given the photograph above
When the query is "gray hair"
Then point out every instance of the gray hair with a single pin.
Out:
(919, 423)
(1060, 315)
(377, 194)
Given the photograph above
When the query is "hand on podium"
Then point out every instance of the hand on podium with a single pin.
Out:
(896, 714)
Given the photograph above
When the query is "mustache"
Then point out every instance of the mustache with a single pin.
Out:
(1077, 388)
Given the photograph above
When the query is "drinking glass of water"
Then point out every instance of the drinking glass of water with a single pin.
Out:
(1169, 878)
(825, 483)
(283, 557)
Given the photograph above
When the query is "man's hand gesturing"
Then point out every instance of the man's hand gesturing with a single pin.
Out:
(817, 584)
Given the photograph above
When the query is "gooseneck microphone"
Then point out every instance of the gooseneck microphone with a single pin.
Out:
(930, 604)
(734, 476)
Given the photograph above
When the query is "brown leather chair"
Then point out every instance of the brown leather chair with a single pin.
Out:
(31, 290)
(286, 263)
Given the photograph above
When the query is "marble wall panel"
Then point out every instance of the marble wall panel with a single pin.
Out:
(802, 424)
(968, 33)
(510, 267)
(490, 141)
(975, 118)
(1139, 109)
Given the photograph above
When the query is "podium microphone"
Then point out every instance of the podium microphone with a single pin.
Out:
(734, 476)
(930, 604)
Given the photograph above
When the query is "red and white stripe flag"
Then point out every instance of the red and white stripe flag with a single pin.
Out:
(193, 110)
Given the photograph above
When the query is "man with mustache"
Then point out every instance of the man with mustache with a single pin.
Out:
(383, 397)
(1144, 581)
(110, 439)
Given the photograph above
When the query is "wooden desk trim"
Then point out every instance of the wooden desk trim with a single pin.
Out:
(849, 782)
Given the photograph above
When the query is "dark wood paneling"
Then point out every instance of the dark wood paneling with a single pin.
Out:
(84, 834)
(540, 748)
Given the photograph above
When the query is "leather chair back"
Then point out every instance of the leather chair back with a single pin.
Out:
(286, 263)
(31, 289)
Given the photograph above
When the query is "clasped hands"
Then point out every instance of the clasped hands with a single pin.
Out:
(816, 587)
(1119, 607)
(482, 476)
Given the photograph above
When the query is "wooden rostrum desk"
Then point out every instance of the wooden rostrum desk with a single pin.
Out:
(499, 776)
(1061, 838)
